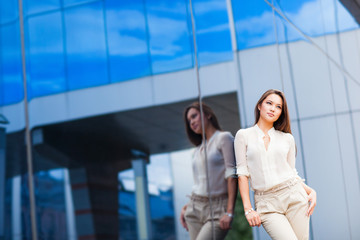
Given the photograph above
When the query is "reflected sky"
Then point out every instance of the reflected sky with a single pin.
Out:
(11, 84)
(254, 20)
(127, 40)
(46, 66)
(124, 40)
(169, 35)
(212, 31)
(31, 7)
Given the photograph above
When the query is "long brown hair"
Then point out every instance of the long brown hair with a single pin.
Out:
(195, 138)
(283, 122)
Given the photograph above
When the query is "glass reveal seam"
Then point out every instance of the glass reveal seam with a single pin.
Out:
(327, 115)
(63, 29)
(2, 85)
(109, 75)
(149, 50)
(298, 121)
(202, 118)
(338, 43)
(241, 98)
(27, 129)
(8, 23)
(278, 48)
(191, 43)
(313, 43)
(75, 5)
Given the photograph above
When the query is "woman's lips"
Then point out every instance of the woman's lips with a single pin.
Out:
(270, 114)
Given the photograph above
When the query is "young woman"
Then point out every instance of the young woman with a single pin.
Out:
(265, 155)
(196, 216)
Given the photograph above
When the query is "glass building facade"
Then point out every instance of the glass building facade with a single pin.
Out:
(106, 84)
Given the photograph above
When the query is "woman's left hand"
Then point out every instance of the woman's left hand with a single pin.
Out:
(312, 200)
(225, 222)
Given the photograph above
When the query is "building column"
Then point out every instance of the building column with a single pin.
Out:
(96, 202)
(142, 200)
(82, 207)
(16, 209)
(69, 208)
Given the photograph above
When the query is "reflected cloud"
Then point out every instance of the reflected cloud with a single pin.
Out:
(213, 29)
(128, 45)
(309, 17)
(126, 19)
(204, 7)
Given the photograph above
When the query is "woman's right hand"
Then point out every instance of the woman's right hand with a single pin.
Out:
(253, 218)
(182, 218)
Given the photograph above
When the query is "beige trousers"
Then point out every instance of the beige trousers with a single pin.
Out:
(198, 217)
(283, 211)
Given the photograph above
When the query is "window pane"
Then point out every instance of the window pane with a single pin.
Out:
(31, 6)
(212, 31)
(50, 204)
(86, 60)
(322, 153)
(253, 23)
(10, 53)
(73, 2)
(8, 10)
(169, 37)
(46, 57)
(127, 39)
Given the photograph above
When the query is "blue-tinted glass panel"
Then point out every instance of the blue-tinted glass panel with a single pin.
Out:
(85, 46)
(212, 31)
(10, 54)
(253, 23)
(8, 10)
(31, 6)
(169, 37)
(345, 20)
(305, 14)
(286, 32)
(328, 13)
(127, 40)
(74, 2)
(50, 204)
(25, 207)
(46, 57)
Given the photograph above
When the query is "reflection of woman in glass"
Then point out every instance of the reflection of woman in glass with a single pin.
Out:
(196, 216)
(265, 154)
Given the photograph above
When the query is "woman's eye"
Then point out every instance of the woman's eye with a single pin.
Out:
(278, 107)
(268, 102)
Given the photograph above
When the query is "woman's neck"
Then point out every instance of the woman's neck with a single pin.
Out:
(210, 130)
(264, 125)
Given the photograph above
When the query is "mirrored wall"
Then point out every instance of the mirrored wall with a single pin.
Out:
(93, 141)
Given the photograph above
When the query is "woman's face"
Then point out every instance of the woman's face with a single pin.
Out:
(271, 108)
(194, 119)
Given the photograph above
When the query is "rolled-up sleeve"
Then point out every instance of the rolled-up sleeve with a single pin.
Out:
(291, 157)
(227, 149)
(240, 154)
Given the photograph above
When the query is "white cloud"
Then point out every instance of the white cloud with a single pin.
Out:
(216, 28)
(203, 7)
(308, 18)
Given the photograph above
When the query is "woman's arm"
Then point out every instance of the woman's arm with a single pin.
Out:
(311, 198)
(251, 215)
(227, 150)
(182, 218)
(225, 221)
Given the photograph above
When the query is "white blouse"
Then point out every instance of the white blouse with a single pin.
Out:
(265, 168)
(221, 164)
